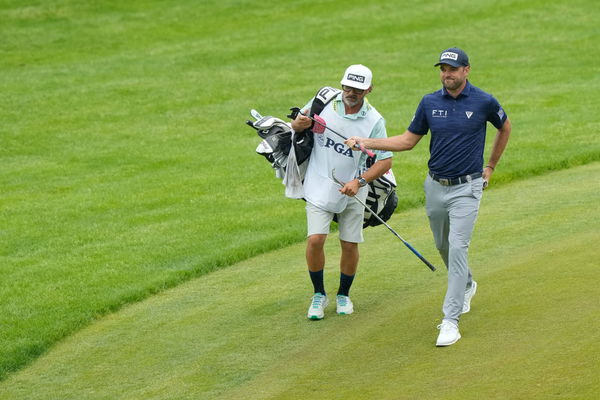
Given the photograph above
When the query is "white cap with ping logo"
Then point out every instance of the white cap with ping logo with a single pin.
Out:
(357, 76)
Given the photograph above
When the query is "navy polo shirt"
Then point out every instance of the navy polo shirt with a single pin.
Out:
(457, 128)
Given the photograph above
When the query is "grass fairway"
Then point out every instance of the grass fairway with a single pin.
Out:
(126, 167)
(241, 333)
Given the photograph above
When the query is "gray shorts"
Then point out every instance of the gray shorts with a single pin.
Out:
(350, 221)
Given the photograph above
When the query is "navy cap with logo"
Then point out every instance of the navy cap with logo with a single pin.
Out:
(453, 56)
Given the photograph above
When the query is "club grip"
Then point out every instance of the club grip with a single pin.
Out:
(367, 151)
(416, 253)
(431, 267)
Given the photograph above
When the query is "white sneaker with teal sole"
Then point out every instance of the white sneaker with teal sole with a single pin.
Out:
(317, 306)
(468, 296)
(344, 305)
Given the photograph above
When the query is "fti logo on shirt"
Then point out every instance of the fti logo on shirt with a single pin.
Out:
(439, 113)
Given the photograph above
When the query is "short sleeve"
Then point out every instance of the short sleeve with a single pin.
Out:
(419, 123)
(379, 132)
(496, 114)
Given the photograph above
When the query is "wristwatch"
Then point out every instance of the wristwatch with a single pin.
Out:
(362, 182)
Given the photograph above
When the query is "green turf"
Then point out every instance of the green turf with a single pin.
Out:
(242, 332)
(126, 164)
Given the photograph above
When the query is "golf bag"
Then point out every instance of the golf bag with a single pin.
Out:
(277, 135)
(381, 199)
(276, 144)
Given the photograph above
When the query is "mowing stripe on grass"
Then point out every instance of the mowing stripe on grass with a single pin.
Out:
(242, 332)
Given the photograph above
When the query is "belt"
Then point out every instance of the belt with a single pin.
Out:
(455, 181)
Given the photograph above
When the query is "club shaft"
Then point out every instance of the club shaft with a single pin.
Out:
(326, 127)
(431, 267)
(367, 152)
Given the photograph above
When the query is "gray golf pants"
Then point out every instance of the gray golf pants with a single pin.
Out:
(452, 211)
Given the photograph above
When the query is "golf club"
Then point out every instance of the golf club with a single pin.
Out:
(295, 111)
(255, 114)
(431, 267)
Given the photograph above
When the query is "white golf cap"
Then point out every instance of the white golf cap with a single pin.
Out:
(357, 76)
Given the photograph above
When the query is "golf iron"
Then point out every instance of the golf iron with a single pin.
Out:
(431, 267)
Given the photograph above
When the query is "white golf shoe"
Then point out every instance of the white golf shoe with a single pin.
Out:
(317, 306)
(344, 305)
(449, 333)
(468, 296)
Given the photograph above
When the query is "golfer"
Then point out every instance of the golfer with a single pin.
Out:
(456, 116)
(350, 114)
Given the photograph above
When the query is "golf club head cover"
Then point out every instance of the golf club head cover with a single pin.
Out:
(319, 125)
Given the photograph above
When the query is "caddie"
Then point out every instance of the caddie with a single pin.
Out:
(351, 114)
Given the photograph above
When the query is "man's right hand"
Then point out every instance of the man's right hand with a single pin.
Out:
(353, 142)
(301, 122)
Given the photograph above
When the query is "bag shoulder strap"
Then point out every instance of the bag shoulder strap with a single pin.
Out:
(303, 141)
(322, 98)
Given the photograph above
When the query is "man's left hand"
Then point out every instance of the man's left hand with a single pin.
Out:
(487, 174)
(350, 188)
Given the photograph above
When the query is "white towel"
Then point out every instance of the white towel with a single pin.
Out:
(294, 175)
